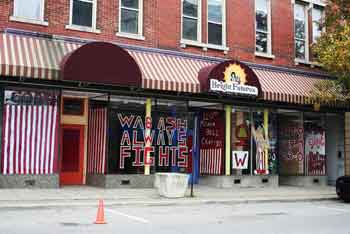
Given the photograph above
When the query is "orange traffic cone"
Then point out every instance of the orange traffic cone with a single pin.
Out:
(100, 219)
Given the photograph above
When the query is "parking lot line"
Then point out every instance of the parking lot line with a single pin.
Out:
(138, 219)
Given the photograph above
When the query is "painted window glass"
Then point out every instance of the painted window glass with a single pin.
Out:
(82, 14)
(291, 144)
(172, 144)
(30, 132)
(300, 31)
(190, 19)
(212, 142)
(315, 144)
(262, 26)
(129, 18)
(264, 144)
(29, 9)
(253, 152)
(126, 136)
(215, 22)
(164, 138)
(316, 23)
(241, 141)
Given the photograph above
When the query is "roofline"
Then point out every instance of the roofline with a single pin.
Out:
(167, 52)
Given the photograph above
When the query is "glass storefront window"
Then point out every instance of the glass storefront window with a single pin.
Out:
(241, 141)
(253, 151)
(315, 144)
(291, 143)
(168, 144)
(264, 145)
(172, 138)
(126, 135)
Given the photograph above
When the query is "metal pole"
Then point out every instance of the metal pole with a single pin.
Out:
(228, 113)
(194, 147)
(147, 170)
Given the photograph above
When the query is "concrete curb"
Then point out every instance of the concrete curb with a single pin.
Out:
(167, 202)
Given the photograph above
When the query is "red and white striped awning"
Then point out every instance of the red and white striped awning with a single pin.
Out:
(280, 86)
(32, 57)
(39, 58)
(169, 72)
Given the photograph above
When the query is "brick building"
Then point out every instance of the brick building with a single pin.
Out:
(108, 93)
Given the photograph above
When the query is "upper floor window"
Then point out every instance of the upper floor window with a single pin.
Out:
(263, 26)
(191, 20)
(83, 13)
(317, 15)
(300, 31)
(216, 19)
(29, 9)
(130, 16)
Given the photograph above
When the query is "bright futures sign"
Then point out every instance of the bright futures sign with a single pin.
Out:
(234, 82)
(229, 87)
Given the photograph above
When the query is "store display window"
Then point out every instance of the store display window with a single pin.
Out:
(172, 124)
(291, 144)
(126, 134)
(315, 144)
(241, 141)
(254, 141)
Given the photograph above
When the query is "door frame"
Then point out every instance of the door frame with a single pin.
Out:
(81, 129)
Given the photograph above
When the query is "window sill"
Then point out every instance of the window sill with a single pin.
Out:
(264, 55)
(305, 62)
(28, 21)
(82, 28)
(130, 36)
(205, 46)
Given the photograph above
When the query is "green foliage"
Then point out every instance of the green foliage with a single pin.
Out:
(332, 52)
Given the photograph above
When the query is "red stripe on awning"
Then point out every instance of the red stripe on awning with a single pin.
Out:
(39, 58)
(168, 72)
(286, 86)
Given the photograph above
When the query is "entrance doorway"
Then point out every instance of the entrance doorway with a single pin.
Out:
(72, 155)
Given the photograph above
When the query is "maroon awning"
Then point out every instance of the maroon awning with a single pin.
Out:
(101, 62)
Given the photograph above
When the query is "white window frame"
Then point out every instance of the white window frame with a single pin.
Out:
(199, 24)
(223, 24)
(139, 35)
(307, 7)
(268, 54)
(93, 28)
(22, 19)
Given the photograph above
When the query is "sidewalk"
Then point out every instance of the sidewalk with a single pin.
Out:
(87, 196)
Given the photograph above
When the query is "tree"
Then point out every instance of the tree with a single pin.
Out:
(332, 52)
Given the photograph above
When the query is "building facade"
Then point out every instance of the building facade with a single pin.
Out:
(108, 93)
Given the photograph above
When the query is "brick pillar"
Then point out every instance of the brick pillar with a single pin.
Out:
(347, 144)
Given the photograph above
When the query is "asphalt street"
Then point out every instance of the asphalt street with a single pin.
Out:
(331, 217)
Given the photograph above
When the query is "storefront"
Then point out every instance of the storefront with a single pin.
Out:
(105, 115)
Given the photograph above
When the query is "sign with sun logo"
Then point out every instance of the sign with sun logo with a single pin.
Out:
(235, 73)
(234, 81)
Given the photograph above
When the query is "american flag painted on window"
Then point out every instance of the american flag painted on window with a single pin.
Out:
(211, 161)
(97, 140)
(211, 142)
(30, 133)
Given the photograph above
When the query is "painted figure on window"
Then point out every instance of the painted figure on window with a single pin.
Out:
(262, 146)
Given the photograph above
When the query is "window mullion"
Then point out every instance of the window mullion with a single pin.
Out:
(129, 8)
(190, 17)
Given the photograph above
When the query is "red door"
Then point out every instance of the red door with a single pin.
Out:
(72, 155)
